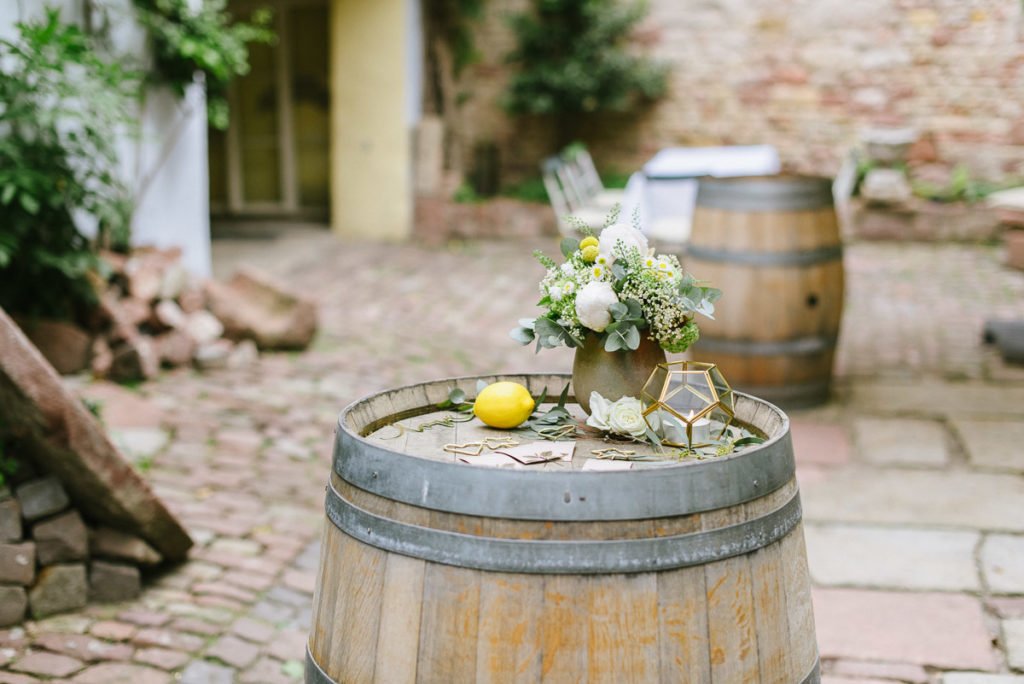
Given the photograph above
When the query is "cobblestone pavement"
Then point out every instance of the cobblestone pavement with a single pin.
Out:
(913, 479)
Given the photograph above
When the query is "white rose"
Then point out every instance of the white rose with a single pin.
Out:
(627, 418)
(599, 410)
(592, 305)
(620, 232)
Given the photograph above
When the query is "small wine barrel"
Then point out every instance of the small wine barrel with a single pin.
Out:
(773, 245)
(433, 570)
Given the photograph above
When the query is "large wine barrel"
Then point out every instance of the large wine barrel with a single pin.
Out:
(773, 245)
(437, 571)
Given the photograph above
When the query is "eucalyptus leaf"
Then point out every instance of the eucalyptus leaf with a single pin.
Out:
(522, 335)
(632, 338)
(569, 246)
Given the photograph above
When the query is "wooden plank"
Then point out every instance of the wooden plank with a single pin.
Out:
(798, 601)
(732, 640)
(401, 608)
(623, 628)
(448, 626)
(683, 627)
(360, 615)
(562, 626)
(324, 596)
(508, 643)
(771, 616)
(342, 557)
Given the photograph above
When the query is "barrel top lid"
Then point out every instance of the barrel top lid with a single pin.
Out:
(419, 472)
(765, 193)
(408, 421)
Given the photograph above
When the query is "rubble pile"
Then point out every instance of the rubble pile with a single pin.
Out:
(152, 313)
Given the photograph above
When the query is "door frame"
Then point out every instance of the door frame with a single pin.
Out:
(287, 157)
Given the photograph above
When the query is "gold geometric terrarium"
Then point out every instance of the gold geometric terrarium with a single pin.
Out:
(682, 398)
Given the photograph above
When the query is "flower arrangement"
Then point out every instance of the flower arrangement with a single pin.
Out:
(615, 286)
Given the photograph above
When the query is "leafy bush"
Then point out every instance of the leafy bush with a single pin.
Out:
(61, 106)
(187, 40)
(573, 59)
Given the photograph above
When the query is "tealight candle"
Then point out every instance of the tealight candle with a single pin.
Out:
(700, 429)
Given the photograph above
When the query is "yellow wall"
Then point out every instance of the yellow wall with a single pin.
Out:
(371, 193)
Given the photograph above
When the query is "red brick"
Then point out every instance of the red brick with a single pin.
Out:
(47, 664)
(82, 647)
(233, 651)
(121, 673)
(162, 658)
(113, 630)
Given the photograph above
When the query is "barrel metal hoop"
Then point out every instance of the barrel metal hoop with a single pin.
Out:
(314, 673)
(802, 257)
(799, 346)
(656, 492)
(765, 194)
(814, 676)
(561, 557)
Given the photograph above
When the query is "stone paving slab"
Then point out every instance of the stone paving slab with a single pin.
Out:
(1013, 634)
(978, 501)
(981, 678)
(929, 629)
(1002, 562)
(901, 441)
(934, 398)
(993, 444)
(892, 558)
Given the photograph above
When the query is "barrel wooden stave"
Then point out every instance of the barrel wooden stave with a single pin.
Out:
(774, 332)
(381, 616)
(395, 618)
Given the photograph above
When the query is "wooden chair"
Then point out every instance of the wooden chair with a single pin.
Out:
(566, 199)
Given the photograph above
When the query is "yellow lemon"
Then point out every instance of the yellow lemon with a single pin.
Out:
(590, 253)
(589, 241)
(503, 404)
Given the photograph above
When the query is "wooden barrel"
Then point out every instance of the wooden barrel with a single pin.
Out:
(434, 570)
(773, 245)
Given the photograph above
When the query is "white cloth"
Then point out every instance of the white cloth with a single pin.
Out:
(664, 193)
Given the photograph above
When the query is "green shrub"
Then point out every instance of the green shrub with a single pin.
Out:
(187, 40)
(574, 60)
(529, 190)
(61, 109)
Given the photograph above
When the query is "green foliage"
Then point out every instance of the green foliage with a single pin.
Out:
(465, 194)
(61, 107)
(454, 20)
(573, 59)
(529, 190)
(961, 188)
(206, 40)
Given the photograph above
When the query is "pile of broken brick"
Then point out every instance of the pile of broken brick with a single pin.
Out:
(153, 313)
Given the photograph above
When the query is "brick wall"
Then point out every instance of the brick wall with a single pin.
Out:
(803, 75)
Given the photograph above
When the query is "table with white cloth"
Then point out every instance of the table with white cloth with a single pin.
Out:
(664, 192)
